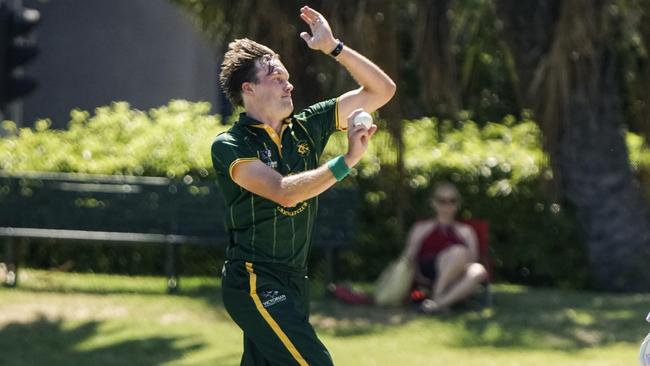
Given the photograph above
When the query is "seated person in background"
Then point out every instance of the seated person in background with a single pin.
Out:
(445, 253)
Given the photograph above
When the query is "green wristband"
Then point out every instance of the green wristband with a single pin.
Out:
(338, 167)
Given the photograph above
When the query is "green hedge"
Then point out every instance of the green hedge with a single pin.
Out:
(500, 170)
(171, 141)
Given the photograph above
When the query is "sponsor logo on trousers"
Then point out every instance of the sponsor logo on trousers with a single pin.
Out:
(274, 300)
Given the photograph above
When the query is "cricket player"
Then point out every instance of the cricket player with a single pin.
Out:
(269, 172)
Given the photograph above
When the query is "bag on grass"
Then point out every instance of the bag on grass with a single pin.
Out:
(395, 282)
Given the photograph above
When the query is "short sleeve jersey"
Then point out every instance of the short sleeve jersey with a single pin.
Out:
(260, 229)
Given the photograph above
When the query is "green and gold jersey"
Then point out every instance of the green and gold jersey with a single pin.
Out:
(260, 229)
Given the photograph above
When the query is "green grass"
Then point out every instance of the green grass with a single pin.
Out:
(84, 319)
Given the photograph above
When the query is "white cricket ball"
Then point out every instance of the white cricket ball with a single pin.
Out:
(364, 118)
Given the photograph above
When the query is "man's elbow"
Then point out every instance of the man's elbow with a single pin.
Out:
(286, 201)
(388, 91)
(281, 191)
(392, 87)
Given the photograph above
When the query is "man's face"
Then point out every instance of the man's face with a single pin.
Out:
(273, 90)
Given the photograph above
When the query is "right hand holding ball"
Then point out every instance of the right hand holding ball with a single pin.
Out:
(363, 118)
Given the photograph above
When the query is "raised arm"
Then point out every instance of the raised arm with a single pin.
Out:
(376, 88)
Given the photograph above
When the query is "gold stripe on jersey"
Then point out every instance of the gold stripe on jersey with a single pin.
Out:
(237, 161)
(336, 117)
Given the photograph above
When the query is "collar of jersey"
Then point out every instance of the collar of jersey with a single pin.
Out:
(245, 120)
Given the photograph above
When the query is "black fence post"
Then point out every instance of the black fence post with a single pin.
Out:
(11, 277)
(171, 268)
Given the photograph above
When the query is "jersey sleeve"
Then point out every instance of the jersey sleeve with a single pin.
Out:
(320, 120)
(228, 151)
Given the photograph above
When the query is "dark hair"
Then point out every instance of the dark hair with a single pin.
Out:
(239, 66)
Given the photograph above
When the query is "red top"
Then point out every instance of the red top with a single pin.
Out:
(439, 239)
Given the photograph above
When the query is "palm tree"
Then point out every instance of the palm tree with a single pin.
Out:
(570, 71)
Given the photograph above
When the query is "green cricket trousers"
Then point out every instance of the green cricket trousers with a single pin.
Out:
(270, 304)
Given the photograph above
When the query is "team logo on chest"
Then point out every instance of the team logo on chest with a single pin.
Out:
(303, 148)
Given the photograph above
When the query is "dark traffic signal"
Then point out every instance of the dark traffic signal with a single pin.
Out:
(17, 48)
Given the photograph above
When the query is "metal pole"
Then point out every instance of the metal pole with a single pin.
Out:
(15, 108)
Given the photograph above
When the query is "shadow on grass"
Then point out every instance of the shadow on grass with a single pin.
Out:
(211, 291)
(530, 318)
(89, 291)
(343, 320)
(521, 317)
(49, 342)
(327, 315)
(561, 320)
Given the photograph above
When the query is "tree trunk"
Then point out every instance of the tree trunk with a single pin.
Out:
(598, 180)
(383, 47)
(439, 93)
(640, 100)
(574, 87)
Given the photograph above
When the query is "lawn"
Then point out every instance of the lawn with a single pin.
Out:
(55, 318)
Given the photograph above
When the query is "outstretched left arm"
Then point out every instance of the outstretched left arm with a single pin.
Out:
(376, 88)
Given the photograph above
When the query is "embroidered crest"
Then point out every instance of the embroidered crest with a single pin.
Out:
(303, 148)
